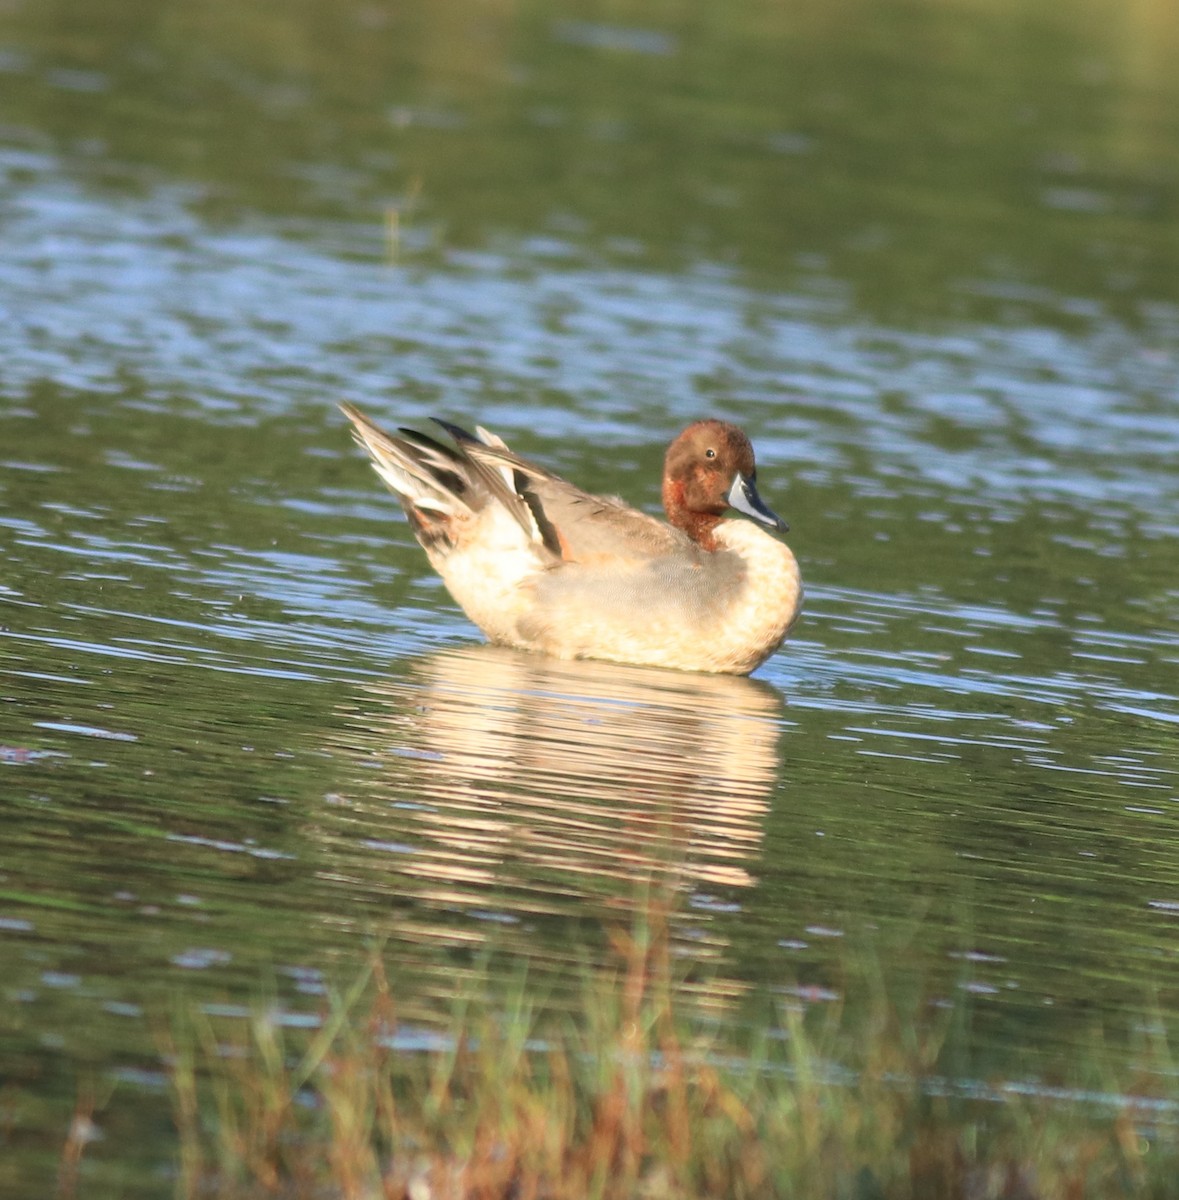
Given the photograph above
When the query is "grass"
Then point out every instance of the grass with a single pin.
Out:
(639, 1096)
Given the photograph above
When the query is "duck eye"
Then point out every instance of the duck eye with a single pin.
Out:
(710, 453)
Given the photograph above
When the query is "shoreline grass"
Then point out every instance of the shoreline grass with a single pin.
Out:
(642, 1095)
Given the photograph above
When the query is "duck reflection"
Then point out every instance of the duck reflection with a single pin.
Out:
(501, 784)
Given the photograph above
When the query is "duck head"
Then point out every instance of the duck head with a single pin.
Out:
(710, 469)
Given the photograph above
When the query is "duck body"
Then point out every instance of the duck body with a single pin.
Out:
(538, 564)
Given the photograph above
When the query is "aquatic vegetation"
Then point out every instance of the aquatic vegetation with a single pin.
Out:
(643, 1093)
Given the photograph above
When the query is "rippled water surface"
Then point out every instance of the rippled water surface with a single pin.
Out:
(243, 730)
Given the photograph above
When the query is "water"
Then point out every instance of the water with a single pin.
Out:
(244, 731)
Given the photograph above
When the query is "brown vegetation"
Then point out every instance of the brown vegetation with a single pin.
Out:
(638, 1096)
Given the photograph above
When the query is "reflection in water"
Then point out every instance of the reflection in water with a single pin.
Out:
(508, 784)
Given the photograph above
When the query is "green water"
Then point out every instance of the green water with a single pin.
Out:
(927, 254)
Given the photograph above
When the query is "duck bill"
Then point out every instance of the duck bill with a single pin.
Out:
(744, 498)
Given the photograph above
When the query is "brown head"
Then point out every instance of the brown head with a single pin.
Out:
(709, 469)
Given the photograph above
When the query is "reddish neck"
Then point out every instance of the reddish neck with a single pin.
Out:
(699, 526)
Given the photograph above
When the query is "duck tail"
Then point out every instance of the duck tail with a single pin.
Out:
(428, 477)
(438, 483)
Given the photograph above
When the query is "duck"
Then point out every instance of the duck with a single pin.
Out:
(540, 565)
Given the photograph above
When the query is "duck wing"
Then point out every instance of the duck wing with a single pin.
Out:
(575, 525)
(437, 483)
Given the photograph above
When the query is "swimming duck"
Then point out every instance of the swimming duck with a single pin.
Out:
(539, 564)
